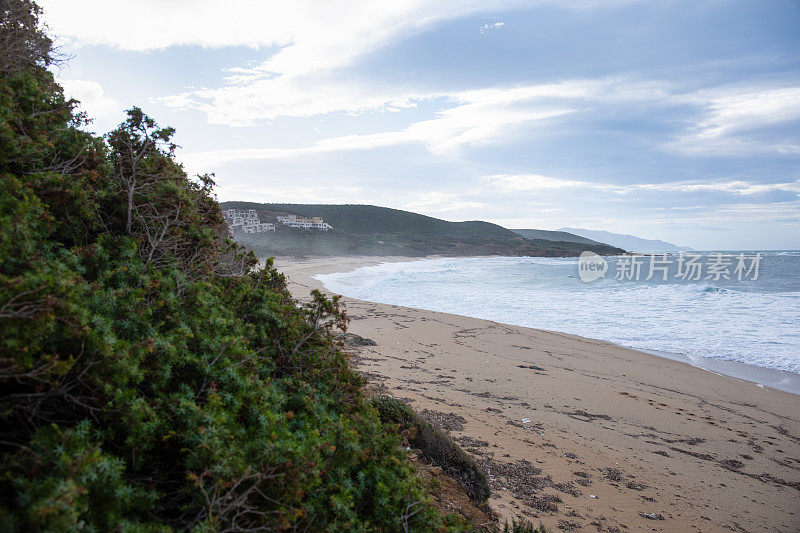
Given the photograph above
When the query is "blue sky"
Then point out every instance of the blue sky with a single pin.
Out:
(675, 119)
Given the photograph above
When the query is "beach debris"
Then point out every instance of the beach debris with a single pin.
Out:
(351, 339)
(526, 420)
(693, 441)
(470, 442)
(525, 482)
(538, 369)
(651, 516)
(586, 417)
(592, 496)
(567, 488)
(612, 474)
(584, 478)
(443, 421)
(546, 503)
(635, 486)
(731, 464)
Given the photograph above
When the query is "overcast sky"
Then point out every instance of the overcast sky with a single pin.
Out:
(668, 119)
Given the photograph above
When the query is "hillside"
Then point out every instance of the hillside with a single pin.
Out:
(629, 242)
(356, 219)
(554, 236)
(373, 230)
(153, 378)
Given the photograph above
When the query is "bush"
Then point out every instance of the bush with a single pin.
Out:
(435, 446)
(150, 377)
(522, 526)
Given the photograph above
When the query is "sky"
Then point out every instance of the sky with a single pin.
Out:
(671, 119)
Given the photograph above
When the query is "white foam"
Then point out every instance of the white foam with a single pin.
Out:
(696, 320)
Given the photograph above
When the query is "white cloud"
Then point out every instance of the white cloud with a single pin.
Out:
(247, 104)
(733, 117)
(92, 98)
(479, 117)
(491, 26)
(738, 187)
(441, 202)
(310, 34)
(244, 104)
(535, 182)
(313, 40)
(281, 191)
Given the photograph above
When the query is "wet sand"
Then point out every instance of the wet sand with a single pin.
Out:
(580, 433)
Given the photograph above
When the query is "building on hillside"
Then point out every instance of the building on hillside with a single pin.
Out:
(247, 219)
(258, 228)
(240, 217)
(298, 221)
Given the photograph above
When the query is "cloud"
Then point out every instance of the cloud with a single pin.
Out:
(477, 118)
(535, 182)
(310, 35)
(249, 103)
(491, 26)
(738, 187)
(93, 99)
(245, 104)
(285, 190)
(734, 120)
(441, 202)
(728, 118)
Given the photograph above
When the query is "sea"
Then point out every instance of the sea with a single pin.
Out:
(738, 313)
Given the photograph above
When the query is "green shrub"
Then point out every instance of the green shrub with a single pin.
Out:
(522, 526)
(435, 446)
(150, 377)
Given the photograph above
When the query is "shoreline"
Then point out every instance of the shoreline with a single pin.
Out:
(581, 432)
(781, 380)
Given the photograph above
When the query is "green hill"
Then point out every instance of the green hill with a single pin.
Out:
(373, 230)
(554, 236)
(357, 219)
(152, 377)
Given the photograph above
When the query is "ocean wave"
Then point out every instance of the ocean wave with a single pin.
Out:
(750, 323)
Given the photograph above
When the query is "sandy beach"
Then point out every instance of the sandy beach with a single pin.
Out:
(580, 433)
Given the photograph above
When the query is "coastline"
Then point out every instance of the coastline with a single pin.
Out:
(643, 434)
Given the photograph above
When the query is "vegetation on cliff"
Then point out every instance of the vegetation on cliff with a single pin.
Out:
(151, 376)
(372, 230)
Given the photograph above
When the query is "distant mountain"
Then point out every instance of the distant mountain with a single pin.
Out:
(628, 242)
(554, 236)
(373, 230)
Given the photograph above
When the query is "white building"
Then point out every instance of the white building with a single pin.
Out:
(297, 221)
(247, 219)
(259, 228)
(240, 217)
